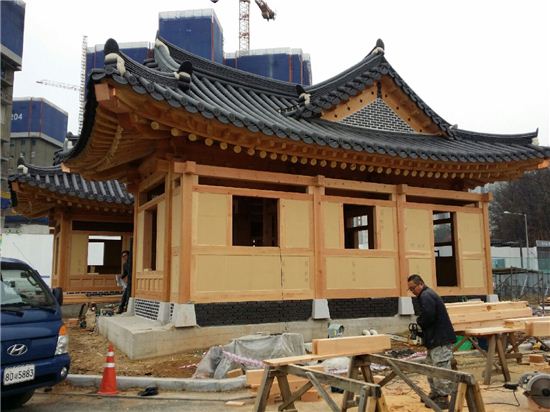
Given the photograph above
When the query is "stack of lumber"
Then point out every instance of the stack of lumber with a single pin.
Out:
(533, 325)
(254, 379)
(353, 345)
(469, 315)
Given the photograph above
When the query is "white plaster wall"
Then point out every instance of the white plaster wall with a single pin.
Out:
(34, 249)
(511, 255)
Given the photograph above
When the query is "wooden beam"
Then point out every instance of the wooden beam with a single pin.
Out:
(353, 344)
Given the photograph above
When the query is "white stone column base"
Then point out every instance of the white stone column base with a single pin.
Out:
(492, 298)
(130, 308)
(164, 312)
(405, 305)
(184, 315)
(320, 309)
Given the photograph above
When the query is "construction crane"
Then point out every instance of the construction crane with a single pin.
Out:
(244, 20)
(79, 88)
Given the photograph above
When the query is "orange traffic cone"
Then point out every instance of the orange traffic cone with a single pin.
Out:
(108, 382)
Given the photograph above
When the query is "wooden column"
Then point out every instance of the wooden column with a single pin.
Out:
(320, 281)
(457, 252)
(135, 193)
(64, 247)
(168, 187)
(400, 202)
(189, 179)
(487, 243)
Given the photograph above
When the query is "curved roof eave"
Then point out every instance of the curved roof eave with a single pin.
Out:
(226, 101)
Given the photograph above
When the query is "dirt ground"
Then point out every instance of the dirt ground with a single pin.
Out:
(89, 349)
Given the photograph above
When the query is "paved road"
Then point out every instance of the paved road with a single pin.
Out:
(49, 402)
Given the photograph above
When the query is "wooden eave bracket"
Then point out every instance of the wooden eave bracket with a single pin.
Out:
(106, 96)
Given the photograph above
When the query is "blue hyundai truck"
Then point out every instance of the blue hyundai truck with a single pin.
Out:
(34, 339)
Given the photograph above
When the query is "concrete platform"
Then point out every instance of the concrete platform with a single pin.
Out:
(141, 338)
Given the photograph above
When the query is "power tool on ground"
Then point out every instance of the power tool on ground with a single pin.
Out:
(537, 388)
(415, 334)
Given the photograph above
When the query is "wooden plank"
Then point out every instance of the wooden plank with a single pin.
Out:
(295, 359)
(538, 328)
(474, 307)
(492, 316)
(460, 396)
(413, 367)
(267, 381)
(236, 372)
(254, 376)
(492, 331)
(427, 400)
(353, 344)
(490, 360)
(536, 358)
(330, 402)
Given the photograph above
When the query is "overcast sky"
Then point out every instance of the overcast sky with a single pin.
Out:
(482, 64)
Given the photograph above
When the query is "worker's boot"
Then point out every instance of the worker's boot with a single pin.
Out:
(441, 401)
(430, 395)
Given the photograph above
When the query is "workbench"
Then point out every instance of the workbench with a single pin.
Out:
(497, 339)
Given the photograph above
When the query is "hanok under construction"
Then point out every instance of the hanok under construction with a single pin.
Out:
(255, 197)
(86, 218)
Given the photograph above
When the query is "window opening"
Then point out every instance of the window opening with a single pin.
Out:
(444, 249)
(359, 227)
(255, 221)
(104, 254)
(150, 240)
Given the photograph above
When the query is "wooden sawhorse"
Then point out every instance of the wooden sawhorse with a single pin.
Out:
(369, 394)
(466, 388)
(497, 339)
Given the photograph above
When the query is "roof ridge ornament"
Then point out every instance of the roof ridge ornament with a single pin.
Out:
(303, 96)
(379, 48)
(161, 45)
(21, 166)
(112, 56)
(183, 75)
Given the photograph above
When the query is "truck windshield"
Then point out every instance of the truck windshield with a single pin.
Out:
(21, 288)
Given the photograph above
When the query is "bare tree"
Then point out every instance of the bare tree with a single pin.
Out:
(531, 195)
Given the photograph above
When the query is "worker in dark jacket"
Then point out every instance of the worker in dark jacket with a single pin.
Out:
(438, 335)
(127, 277)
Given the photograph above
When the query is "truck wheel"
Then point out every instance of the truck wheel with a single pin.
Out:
(15, 401)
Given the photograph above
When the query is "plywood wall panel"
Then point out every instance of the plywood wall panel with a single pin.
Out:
(346, 272)
(470, 232)
(79, 254)
(473, 275)
(296, 272)
(422, 267)
(237, 273)
(386, 227)
(211, 212)
(418, 228)
(296, 221)
(333, 223)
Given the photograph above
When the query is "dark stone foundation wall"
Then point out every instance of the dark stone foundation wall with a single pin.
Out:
(362, 308)
(242, 313)
(256, 312)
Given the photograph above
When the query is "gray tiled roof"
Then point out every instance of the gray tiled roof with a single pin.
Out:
(287, 111)
(71, 184)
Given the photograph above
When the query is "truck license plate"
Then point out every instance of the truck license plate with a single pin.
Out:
(18, 374)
